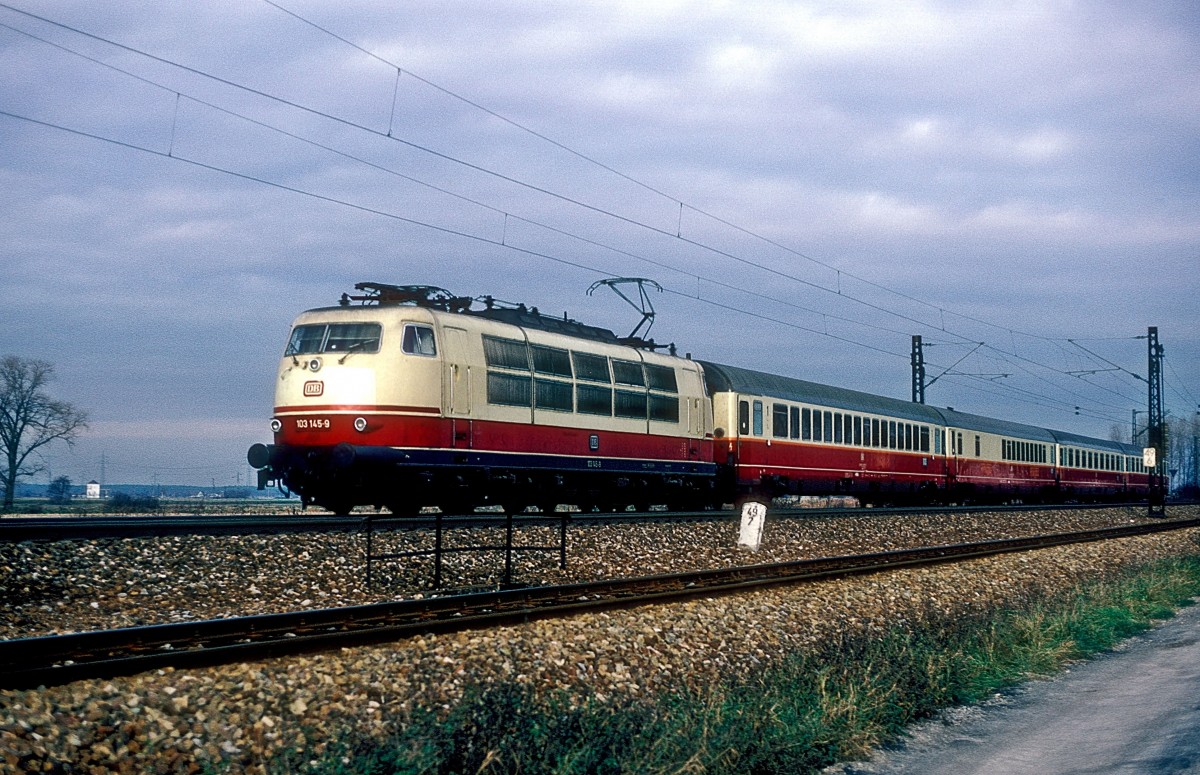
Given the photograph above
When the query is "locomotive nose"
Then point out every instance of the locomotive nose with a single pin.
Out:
(259, 455)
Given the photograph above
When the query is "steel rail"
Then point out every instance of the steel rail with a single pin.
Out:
(58, 659)
(18, 528)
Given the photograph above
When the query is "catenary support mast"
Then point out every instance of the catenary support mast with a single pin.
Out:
(1156, 426)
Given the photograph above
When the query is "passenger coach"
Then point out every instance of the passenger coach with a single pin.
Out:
(777, 435)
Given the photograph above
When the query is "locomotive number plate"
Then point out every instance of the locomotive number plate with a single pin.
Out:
(313, 424)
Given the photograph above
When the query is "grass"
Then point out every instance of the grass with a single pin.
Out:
(809, 710)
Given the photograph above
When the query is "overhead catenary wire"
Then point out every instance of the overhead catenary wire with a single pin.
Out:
(725, 254)
(1033, 398)
(179, 95)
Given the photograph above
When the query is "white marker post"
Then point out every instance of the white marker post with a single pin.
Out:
(754, 519)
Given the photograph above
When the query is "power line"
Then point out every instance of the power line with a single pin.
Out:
(607, 213)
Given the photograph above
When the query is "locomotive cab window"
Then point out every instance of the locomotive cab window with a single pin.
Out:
(306, 340)
(334, 338)
(418, 340)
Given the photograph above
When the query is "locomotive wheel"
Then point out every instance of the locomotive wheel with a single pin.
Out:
(339, 507)
(404, 509)
(456, 507)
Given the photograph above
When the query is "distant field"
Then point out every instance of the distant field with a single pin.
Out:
(86, 507)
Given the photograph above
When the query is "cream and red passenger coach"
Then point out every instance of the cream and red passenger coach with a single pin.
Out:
(778, 435)
(412, 399)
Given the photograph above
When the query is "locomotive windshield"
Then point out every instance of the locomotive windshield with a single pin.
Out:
(334, 338)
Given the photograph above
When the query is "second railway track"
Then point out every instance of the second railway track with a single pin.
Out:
(57, 659)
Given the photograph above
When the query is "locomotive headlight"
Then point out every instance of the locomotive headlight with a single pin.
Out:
(360, 424)
(314, 365)
(276, 425)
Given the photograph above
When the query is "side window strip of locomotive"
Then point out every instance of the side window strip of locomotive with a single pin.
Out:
(664, 408)
(551, 360)
(548, 393)
(630, 404)
(506, 353)
(661, 378)
(627, 372)
(594, 399)
(591, 368)
(418, 340)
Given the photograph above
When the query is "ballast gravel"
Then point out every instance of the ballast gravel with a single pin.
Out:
(235, 718)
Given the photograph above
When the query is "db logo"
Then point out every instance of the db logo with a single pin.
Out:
(314, 387)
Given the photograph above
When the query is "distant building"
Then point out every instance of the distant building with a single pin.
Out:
(93, 490)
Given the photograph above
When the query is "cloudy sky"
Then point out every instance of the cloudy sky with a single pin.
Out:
(812, 183)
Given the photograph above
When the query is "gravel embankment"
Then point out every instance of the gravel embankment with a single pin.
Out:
(234, 717)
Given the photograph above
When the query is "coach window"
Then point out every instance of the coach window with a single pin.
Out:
(837, 428)
(849, 421)
(758, 418)
(858, 428)
(806, 433)
(924, 438)
(779, 421)
(795, 429)
(827, 426)
(876, 433)
(978, 453)
(743, 418)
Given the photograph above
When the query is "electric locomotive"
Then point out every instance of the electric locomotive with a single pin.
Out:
(406, 397)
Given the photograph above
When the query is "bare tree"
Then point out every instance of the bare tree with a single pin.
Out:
(30, 419)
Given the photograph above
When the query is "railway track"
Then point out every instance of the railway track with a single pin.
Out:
(58, 659)
(62, 528)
